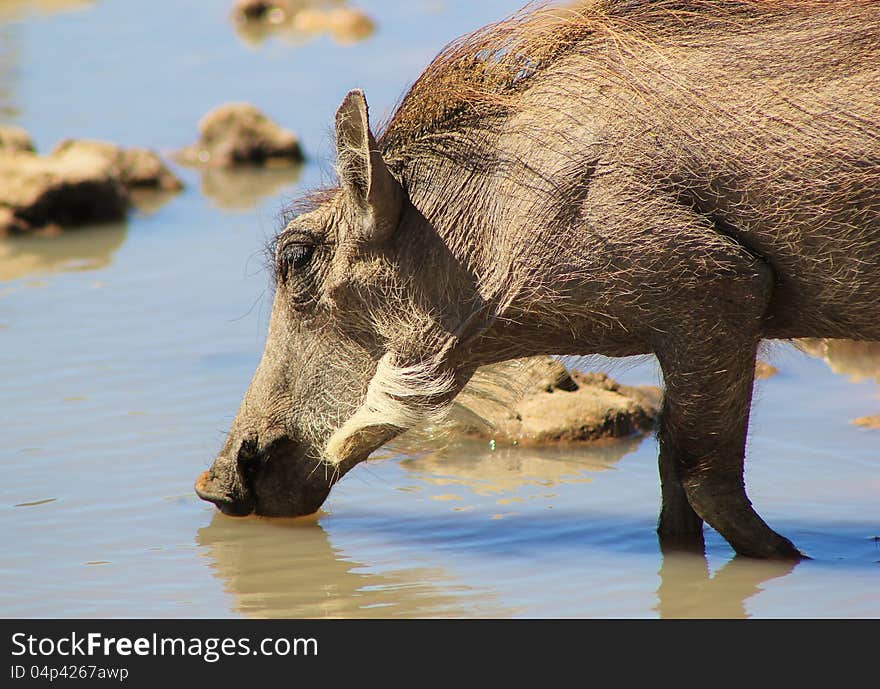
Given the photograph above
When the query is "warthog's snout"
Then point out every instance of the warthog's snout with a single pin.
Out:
(280, 479)
(209, 488)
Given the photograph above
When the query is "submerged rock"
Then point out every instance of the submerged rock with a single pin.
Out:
(79, 182)
(561, 406)
(237, 134)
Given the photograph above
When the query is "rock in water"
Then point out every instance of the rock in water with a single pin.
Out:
(137, 168)
(15, 139)
(79, 182)
(561, 406)
(72, 188)
(239, 134)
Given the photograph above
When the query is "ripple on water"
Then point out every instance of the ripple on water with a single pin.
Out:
(35, 503)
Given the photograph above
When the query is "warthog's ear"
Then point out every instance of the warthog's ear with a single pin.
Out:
(363, 171)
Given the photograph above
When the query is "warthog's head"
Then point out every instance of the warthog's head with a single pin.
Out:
(370, 313)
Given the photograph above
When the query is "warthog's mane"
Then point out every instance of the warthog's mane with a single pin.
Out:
(462, 122)
(478, 77)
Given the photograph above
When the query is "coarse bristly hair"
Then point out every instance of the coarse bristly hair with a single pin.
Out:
(452, 123)
(449, 124)
(397, 396)
(477, 77)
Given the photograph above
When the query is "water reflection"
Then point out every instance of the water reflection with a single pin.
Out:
(688, 590)
(687, 587)
(475, 466)
(286, 568)
(85, 248)
(242, 188)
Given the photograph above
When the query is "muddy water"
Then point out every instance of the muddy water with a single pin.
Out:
(124, 350)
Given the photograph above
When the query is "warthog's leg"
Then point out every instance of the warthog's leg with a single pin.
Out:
(680, 277)
(679, 525)
(708, 371)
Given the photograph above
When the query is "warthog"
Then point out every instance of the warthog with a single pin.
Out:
(623, 177)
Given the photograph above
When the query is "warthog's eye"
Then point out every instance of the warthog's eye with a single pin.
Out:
(297, 268)
(294, 257)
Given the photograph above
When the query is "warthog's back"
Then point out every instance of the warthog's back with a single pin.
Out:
(764, 117)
